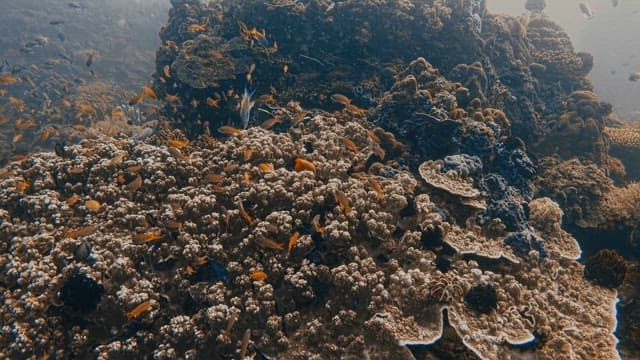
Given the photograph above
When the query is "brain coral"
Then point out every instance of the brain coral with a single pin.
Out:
(199, 248)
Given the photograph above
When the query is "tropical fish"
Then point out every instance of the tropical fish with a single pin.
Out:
(246, 104)
(138, 310)
(585, 10)
(304, 165)
(258, 276)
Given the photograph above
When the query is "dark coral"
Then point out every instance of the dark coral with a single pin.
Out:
(482, 298)
(81, 293)
(605, 268)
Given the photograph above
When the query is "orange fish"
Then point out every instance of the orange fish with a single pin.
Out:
(215, 178)
(341, 99)
(247, 178)
(316, 224)
(215, 103)
(147, 237)
(171, 99)
(375, 185)
(178, 154)
(83, 231)
(304, 165)
(247, 154)
(350, 145)
(229, 130)
(72, 200)
(258, 276)
(135, 184)
(6, 79)
(269, 123)
(22, 186)
(180, 144)
(17, 103)
(149, 92)
(342, 201)
(244, 213)
(136, 99)
(265, 167)
(190, 270)
(269, 244)
(138, 310)
(92, 205)
(292, 241)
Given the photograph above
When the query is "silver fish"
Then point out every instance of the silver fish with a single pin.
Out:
(246, 104)
(585, 10)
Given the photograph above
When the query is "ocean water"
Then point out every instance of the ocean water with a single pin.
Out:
(284, 179)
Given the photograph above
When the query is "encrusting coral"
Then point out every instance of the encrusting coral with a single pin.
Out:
(357, 273)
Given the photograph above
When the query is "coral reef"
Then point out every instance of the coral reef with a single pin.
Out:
(605, 268)
(195, 247)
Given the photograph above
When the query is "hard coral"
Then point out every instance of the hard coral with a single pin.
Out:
(482, 298)
(605, 268)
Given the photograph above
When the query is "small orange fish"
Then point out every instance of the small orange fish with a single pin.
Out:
(138, 310)
(190, 270)
(201, 260)
(292, 241)
(316, 224)
(92, 205)
(180, 144)
(149, 92)
(214, 103)
(247, 154)
(269, 123)
(247, 178)
(341, 99)
(350, 145)
(21, 124)
(375, 185)
(134, 169)
(6, 79)
(72, 200)
(135, 184)
(178, 154)
(265, 167)
(198, 27)
(304, 165)
(245, 215)
(83, 231)
(75, 170)
(171, 99)
(215, 178)
(342, 201)
(17, 138)
(136, 99)
(145, 238)
(22, 186)
(173, 224)
(17, 103)
(258, 276)
(229, 130)
(270, 244)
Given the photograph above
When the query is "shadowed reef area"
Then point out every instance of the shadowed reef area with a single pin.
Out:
(416, 180)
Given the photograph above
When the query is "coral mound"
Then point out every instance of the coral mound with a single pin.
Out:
(199, 245)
